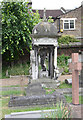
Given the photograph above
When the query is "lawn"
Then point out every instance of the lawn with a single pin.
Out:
(12, 92)
(64, 85)
(17, 69)
(4, 100)
(69, 99)
(6, 97)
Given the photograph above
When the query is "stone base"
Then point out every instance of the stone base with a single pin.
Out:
(49, 100)
(36, 94)
(47, 82)
(32, 100)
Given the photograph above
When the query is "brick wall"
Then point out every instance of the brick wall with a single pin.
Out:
(68, 51)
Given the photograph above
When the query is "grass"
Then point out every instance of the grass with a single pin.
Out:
(14, 86)
(49, 90)
(4, 100)
(18, 69)
(61, 111)
(64, 85)
(12, 92)
(69, 99)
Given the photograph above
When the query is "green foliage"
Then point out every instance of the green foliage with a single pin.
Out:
(64, 85)
(61, 111)
(17, 24)
(49, 90)
(66, 39)
(69, 99)
(36, 18)
(18, 69)
(50, 19)
(12, 92)
(62, 60)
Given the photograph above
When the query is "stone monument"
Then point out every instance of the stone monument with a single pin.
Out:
(44, 44)
(75, 66)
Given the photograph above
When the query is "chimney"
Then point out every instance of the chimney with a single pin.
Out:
(63, 10)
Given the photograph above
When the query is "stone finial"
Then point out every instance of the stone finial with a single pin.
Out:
(82, 3)
(44, 16)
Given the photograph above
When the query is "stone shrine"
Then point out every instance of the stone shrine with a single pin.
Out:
(44, 56)
(44, 48)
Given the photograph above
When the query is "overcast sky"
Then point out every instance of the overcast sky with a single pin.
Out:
(55, 4)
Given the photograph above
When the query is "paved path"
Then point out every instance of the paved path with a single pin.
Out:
(19, 81)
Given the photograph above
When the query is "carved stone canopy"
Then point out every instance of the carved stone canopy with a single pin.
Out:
(45, 29)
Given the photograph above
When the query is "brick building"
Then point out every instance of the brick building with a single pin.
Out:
(70, 22)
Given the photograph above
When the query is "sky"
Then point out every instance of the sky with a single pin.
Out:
(55, 4)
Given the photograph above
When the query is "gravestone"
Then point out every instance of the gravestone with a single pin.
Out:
(75, 66)
(35, 89)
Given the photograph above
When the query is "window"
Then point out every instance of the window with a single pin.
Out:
(68, 23)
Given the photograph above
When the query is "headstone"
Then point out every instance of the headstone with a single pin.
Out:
(35, 89)
(75, 66)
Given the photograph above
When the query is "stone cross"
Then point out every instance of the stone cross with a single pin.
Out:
(44, 16)
(75, 66)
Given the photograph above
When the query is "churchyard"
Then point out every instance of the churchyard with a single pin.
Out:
(20, 91)
(44, 94)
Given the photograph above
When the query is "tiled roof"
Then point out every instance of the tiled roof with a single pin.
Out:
(53, 13)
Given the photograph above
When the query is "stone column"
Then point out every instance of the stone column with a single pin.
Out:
(55, 57)
(55, 61)
(51, 65)
(32, 64)
(36, 63)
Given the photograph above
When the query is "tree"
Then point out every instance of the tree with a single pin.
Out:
(17, 23)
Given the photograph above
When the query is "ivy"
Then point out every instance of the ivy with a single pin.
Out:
(67, 39)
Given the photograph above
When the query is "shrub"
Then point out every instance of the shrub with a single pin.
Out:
(66, 39)
(62, 60)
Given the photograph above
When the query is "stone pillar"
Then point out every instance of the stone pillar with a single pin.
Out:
(36, 64)
(32, 64)
(51, 65)
(55, 57)
(55, 61)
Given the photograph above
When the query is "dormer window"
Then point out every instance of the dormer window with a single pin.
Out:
(69, 23)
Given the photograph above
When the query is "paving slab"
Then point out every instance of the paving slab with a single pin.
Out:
(29, 114)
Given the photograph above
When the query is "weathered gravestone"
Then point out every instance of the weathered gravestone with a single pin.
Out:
(36, 95)
(35, 89)
(75, 66)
